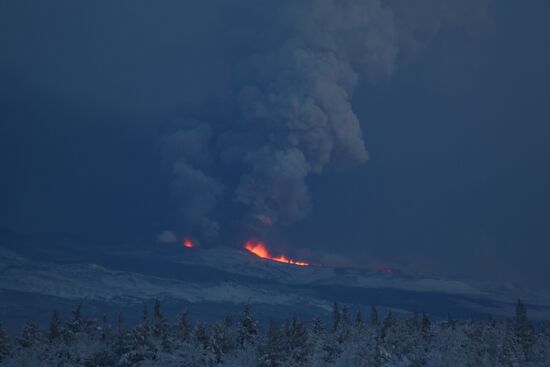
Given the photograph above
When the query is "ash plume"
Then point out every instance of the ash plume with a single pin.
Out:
(293, 111)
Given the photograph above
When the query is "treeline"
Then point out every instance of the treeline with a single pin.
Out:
(346, 340)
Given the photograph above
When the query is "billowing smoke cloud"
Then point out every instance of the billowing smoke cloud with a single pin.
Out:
(293, 112)
(191, 151)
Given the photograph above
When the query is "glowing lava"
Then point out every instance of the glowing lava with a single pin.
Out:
(259, 249)
(187, 242)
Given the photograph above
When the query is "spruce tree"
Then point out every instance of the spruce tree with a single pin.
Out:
(144, 326)
(221, 339)
(523, 329)
(76, 324)
(201, 336)
(120, 324)
(143, 330)
(248, 330)
(297, 341)
(425, 325)
(412, 325)
(5, 343)
(335, 317)
(386, 324)
(54, 328)
(30, 335)
(511, 353)
(160, 325)
(105, 332)
(541, 348)
(272, 351)
(345, 319)
(373, 318)
(359, 322)
(141, 346)
(343, 330)
(183, 327)
(122, 345)
(318, 326)
(450, 323)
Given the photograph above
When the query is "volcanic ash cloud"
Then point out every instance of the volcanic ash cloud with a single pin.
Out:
(293, 115)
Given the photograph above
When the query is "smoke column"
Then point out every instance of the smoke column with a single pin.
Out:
(293, 110)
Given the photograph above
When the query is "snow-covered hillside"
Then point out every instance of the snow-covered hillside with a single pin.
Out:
(34, 279)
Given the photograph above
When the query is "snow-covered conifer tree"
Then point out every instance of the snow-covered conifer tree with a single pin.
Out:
(54, 328)
(30, 335)
(335, 317)
(523, 329)
(373, 318)
(5, 343)
(297, 342)
(273, 348)
(182, 329)
(248, 329)
(160, 324)
(359, 321)
(221, 340)
(318, 326)
(512, 352)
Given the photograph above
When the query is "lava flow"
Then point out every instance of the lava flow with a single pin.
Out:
(259, 249)
(187, 242)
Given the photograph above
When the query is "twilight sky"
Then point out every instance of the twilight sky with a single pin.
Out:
(230, 119)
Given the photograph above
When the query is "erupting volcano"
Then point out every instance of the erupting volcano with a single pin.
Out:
(258, 248)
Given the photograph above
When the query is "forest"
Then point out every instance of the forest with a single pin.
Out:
(345, 338)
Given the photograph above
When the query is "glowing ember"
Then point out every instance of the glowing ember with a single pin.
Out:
(259, 249)
(187, 242)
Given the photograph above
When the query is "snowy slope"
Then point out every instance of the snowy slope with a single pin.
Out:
(241, 262)
(94, 282)
(218, 280)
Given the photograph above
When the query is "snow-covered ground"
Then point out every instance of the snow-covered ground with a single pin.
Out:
(94, 282)
(227, 277)
(241, 262)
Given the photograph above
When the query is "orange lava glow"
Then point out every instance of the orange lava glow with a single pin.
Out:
(259, 249)
(187, 242)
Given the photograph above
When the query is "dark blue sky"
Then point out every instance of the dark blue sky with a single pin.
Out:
(457, 180)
